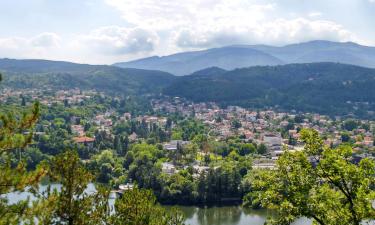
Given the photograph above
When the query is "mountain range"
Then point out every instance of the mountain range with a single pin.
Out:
(240, 56)
(324, 87)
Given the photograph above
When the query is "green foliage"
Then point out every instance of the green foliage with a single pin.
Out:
(62, 75)
(71, 204)
(345, 137)
(139, 207)
(12, 136)
(107, 165)
(246, 149)
(189, 129)
(262, 149)
(236, 124)
(350, 125)
(326, 88)
(13, 126)
(335, 191)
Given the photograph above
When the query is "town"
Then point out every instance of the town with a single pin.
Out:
(272, 132)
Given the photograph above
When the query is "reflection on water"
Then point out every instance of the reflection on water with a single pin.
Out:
(227, 215)
(223, 215)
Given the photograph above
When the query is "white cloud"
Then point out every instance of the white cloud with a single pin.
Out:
(119, 40)
(279, 31)
(212, 23)
(162, 27)
(38, 46)
(102, 45)
(166, 14)
(45, 40)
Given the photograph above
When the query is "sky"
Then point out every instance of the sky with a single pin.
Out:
(109, 31)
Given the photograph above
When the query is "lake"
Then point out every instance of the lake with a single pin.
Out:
(217, 215)
(227, 215)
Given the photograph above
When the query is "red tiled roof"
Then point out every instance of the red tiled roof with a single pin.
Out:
(83, 139)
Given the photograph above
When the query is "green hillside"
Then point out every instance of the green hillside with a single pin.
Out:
(329, 88)
(57, 75)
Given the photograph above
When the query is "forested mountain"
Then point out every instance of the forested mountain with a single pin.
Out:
(323, 51)
(239, 56)
(185, 63)
(209, 71)
(54, 74)
(329, 88)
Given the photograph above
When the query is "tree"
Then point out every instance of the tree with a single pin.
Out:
(299, 118)
(246, 149)
(139, 207)
(236, 124)
(15, 134)
(345, 137)
(190, 152)
(23, 100)
(332, 191)
(292, 141)
(118, 145)
(350, 125)
(13, 129)
(72, 204)
(262, 149)
(66, 103)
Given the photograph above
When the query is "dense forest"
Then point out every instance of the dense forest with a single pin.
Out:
(328, 88)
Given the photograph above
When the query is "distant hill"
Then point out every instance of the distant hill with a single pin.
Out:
(329, 88)
(55, 74)
(227, 58)
(209, 71)
(239, 56)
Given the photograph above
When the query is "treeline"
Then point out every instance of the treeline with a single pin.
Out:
(214, 184)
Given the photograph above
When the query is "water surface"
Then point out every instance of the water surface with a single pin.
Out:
(216, 215)
(227, 215)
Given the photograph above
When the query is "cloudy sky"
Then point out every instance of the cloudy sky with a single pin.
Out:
(108, 31)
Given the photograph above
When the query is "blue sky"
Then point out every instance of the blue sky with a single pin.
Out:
(108, 31)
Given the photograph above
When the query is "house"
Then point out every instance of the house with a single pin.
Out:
(126, 116)
(87, 141)
(78, 130)
(276, 154)
(133, 137)
(200, 169)
(172, 145)
(168, 168)
(368, 141)
(273, 142)
(249, 135)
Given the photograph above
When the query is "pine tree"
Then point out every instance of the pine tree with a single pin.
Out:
(72, 204)
(16, 132)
